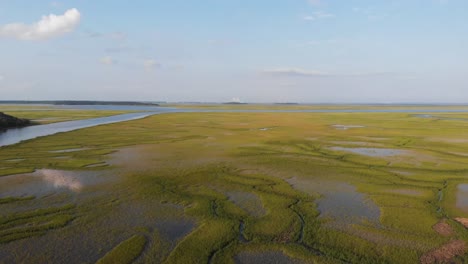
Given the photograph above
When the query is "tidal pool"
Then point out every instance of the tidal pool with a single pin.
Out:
(67, 150)
(266, 257)
(346, 127)
(405, 173)
(175, 229)
(167, 218)
(462, 197)
(87, 239)
(340, 201)
(372, 152)
(357, 143)
(442, 117)
(247, 201)
(135, 158)
(45, 181)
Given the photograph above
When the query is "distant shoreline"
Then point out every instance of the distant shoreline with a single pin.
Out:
(74, 102)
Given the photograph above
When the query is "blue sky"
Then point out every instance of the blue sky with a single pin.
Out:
(332, 51)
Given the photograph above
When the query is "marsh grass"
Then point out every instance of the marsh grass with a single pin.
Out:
(33, 223)
(15, 199)
(192, 159)
(51, 115)
(125, 252)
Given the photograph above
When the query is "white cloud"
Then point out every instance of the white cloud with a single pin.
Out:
(321, 14)
(370, 13)
(310, 18)
(48, 27)
(298, 72)
(295, 72)
(150, 64)
(107, 60)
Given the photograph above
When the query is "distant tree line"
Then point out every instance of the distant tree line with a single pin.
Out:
(67, 102)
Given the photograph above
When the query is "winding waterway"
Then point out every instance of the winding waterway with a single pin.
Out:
(16, 135)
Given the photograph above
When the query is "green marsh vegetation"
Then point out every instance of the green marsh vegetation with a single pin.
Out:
(321, 107)
(48, 114)
(176, 176)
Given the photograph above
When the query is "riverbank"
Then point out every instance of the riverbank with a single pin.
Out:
(8, 121)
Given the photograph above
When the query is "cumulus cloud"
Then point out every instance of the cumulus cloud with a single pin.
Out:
(295, 72)
(150, 64)
(47, 27)
(107, 60)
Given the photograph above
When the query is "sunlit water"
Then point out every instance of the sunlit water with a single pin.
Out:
(16, 135)
(267, 257)
(372, 152)
(46, 181)
(462, 197)
(339, 201)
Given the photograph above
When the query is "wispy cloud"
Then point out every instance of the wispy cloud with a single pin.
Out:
(317, 15)
(55, 4)
(295, 72)
(118, 35)
(370, 13)
(47, 27)
(319, 42)
(107, 60)
(298, 72)
(119, 49)
(92, 34)
(314, 2)
(150, 64)
(310, 18)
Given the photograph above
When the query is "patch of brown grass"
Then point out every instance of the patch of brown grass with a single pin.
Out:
(443, 229)
(445, 253)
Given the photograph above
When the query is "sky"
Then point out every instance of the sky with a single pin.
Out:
(306, 51)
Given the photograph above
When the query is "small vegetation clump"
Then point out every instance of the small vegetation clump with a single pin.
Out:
(125, 252)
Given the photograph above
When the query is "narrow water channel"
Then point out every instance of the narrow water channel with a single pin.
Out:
(16, 135)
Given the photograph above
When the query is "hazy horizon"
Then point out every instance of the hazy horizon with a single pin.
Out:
(300, 51)
(6, 101)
